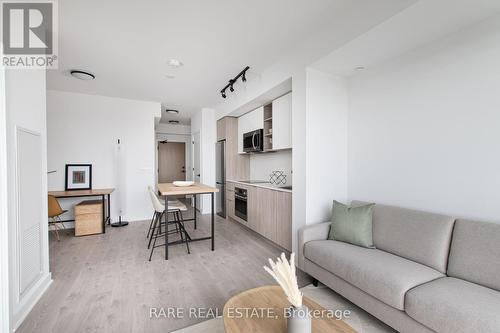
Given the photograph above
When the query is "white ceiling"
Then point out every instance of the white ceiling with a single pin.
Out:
(399, 35)
(126, 44)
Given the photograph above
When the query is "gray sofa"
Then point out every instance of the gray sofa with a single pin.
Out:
(428, 273)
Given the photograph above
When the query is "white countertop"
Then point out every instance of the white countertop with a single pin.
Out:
(263, 185)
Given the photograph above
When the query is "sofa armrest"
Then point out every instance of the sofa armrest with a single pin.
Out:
(309, 233)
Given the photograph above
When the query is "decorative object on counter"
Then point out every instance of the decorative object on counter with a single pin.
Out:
(298, 319)
(181, 183)
(277, 177)
(78, 177)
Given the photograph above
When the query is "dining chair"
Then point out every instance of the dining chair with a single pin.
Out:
(175, 208)
(55, 211)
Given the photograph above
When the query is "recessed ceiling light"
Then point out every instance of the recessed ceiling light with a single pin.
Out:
(172, 111)
(82, 75)
(170, 76)
(174, 63)
(360, 68)
(173, 121)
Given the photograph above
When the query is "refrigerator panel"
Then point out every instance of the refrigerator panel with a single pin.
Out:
(220, 160)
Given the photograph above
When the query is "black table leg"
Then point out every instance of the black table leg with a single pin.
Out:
(194, 211)
(165, 213)
(103, 214)
(109, 209)
(213, 224)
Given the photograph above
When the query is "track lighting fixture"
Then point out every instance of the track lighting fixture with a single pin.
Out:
(231, 83)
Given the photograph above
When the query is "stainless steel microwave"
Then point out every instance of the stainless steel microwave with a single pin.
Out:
(253, 141)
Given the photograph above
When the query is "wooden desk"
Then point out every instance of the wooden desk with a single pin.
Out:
(98, 192)
(169, 189)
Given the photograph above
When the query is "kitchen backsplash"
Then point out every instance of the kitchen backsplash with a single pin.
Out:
(263, 165)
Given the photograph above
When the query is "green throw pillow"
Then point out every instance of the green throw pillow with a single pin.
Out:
(352, 224)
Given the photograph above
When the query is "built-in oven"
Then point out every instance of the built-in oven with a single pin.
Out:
(240, 203)
(253, 141)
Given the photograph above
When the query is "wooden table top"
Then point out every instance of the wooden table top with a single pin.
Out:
(197, 188)
(272, 297)
(81, 193)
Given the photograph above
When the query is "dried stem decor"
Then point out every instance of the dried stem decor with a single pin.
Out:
(284, 273)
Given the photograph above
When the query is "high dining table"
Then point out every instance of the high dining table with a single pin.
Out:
(169, 189)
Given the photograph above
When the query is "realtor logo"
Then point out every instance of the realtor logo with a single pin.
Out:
(29, 34)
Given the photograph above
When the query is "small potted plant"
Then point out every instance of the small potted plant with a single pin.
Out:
(298, 319)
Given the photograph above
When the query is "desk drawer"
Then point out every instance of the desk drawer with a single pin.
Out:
(88, 218)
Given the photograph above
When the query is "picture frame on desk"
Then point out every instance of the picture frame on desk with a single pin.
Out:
(78, 177)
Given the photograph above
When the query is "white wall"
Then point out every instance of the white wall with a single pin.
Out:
(424, 129)
(204, 123)
(326, 146)
(261, 165)
(29, 274)
(85, 129)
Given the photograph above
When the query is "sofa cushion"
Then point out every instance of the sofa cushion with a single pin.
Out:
(451, 305)
(475, 253)
(352, 224)
(383, 275)
(415, 235)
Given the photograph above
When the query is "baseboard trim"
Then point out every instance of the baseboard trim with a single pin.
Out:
(35, 296)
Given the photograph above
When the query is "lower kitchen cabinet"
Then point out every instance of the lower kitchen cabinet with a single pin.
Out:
(269, 213)
(284, 220)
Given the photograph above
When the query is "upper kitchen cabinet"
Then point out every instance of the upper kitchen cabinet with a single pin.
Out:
(236, 165)
(248, 122)
(282, 122)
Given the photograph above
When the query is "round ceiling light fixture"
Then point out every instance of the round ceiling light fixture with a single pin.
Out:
(82, 75)
(171, 111)
(173, 121)
(175, 63)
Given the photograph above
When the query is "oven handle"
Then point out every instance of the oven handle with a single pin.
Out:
(239, 197)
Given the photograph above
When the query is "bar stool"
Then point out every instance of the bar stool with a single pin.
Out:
(172, 204)
(175, 208)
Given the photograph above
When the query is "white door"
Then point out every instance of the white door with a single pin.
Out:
(197, 165)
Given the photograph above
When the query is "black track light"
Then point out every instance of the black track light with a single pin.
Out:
(231, 83)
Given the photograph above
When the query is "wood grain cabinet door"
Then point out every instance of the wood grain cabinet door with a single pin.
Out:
(253, 208)
(284, 219)
(266, 224)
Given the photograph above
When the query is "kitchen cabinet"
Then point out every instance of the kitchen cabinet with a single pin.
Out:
(248, 122)
(266, 221)
(230, 199)
(284, 220)
(282, 122)
(269, 213)
(237, 165)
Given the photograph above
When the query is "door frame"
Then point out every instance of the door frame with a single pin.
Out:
(186, 157)
(4, 232)
(199, 205)
(186, 138)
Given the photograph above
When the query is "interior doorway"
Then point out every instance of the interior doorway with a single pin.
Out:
(171, 161)
(197, 165)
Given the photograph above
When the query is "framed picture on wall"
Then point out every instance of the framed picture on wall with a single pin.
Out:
(78, 177)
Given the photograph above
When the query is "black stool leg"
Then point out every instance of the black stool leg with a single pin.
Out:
(183, 230)
(155, 223)
(151, 224)
(155, 237)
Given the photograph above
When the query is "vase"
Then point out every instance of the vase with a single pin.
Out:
(298, 320)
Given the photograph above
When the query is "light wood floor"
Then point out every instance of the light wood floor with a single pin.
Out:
(105, 283)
